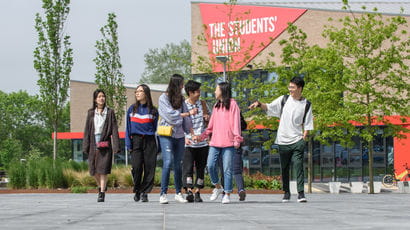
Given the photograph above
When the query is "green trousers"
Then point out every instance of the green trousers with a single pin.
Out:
(293, 152)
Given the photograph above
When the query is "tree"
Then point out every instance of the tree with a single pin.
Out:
(23, 126)
(376, 53)
(108, 63)
(53, 61)
(161, 63)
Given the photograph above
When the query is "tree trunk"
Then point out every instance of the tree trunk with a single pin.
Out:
(55, 143)
(370, 155)
(310, 165)
(371, 185)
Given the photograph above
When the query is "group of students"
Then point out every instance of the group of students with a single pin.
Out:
(200, 139)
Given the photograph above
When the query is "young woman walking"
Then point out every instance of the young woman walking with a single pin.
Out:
(225, 127)
(140, 140)
(100, 141)
(173, 112)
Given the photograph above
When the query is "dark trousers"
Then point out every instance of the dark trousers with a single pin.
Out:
(143, 161)
(293, 152)
(194, 157)
(237, 170)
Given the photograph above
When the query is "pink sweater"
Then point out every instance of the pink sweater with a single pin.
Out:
(225, 127)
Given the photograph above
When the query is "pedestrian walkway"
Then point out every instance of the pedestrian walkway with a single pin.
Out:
(259, 211)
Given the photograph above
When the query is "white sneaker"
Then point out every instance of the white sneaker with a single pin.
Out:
(215, 193)
(163, 199)
(226, 199)
(180, 198)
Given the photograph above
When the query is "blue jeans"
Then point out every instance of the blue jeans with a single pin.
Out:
(237, 169)
(172, 149)
(227, 156)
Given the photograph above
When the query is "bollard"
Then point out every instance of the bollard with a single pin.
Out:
(403, 186)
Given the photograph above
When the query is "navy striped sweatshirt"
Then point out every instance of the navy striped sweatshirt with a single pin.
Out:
(141, 123)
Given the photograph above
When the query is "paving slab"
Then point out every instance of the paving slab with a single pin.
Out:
(259, 211)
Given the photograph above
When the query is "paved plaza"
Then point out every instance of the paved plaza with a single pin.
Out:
(259, 211)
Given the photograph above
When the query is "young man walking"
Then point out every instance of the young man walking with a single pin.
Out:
(196, 153)
(296, 119)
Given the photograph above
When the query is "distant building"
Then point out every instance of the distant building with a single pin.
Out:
(248, 32)
(81, 97)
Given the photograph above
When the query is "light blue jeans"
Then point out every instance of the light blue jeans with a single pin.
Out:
(172, 150)
(227, 156)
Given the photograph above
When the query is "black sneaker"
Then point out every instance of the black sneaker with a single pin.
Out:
(101, 197)
(301, 197)
(190, 197)
(144, 197)
(197, 197)
(286, 197)
(137, 196)
(242, 195)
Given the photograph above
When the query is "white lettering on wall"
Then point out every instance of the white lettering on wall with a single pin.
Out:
(226, 36)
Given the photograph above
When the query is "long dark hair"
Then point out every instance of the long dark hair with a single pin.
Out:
(95, 95)
(174, 91)
(225, 102)
(148, 98)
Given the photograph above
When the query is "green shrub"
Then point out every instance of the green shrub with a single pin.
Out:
(54, 175)
(112, 180)
(41, 176)
(76, 166)
(17, 175)
(127, 180)
(261, 184)
(79, 189)
(157, 178)
(88, 181)
(32, 174)
(71, 179)
(249, 182)
(275, 185)
(207, 181)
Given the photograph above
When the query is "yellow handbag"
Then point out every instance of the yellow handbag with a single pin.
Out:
(164, 130)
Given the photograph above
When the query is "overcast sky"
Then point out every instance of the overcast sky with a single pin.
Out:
(142, 25)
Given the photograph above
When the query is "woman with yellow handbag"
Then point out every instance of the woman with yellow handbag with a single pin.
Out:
(174, 113)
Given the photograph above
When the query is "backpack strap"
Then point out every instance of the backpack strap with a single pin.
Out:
(284, 99)
(204, 108)
(307, 106)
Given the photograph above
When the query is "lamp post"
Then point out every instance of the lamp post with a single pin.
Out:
(223, 59)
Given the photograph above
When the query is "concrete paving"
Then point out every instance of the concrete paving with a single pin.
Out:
(259, 211)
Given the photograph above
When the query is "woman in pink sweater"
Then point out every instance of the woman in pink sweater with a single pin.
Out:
(225, 130)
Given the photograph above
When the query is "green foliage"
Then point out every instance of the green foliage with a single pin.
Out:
(275, 185)
(53, 61)
(108, 64)
(161, 63)
(76, 166)
(37, 173)
(376, 51)
(24, 121)
(88, 180)
(112, 180)
(80, 189)
(11, 149)
(32, 174)
(17, 175)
